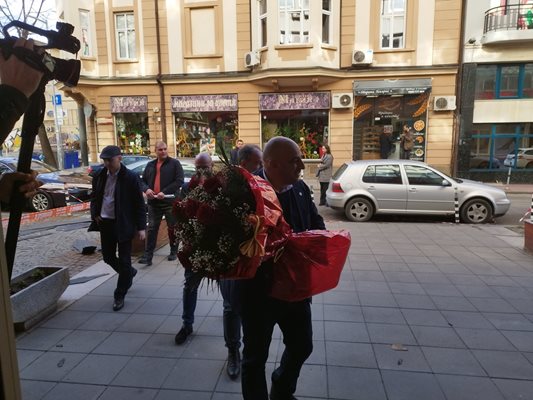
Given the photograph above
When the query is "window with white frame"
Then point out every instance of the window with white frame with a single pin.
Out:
(326, 21)
(294, 21)
(393, 14)
(262, 23)
(86, 34)
(125, 35)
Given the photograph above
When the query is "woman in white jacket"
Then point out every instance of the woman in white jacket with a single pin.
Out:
(324, 172)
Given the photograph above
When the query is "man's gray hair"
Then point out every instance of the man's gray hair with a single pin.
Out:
(246, 151)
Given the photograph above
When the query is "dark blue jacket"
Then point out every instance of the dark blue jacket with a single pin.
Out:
(130, 210)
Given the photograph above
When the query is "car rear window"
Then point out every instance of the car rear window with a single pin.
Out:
(340, 171)
(383, 174)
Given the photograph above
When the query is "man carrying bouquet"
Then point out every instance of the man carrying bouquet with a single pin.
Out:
(282, 160)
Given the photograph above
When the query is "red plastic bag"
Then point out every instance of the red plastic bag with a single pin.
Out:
(311, 263)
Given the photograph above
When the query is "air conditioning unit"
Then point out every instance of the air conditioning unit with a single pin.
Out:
(362, 57)
(251, 59)
(342, 100)
(444, 103)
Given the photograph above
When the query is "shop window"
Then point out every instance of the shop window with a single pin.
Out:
(527, 89)
(393, 15)
(86, 34)
(508, 82)
(132, 133)
(486, 82)
(294, 21)
(308, 128)
(263, 23)
(501, 146)
(326, 21)
(388, 174)
(198, 132)
(125, 36)
(504, 81)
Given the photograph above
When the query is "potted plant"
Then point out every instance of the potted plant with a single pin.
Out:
(34, 294)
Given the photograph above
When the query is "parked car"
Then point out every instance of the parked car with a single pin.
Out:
(139, 166)
(524, 158)
(93, 169)
(60, 187)
(481, 162)
(368, 187)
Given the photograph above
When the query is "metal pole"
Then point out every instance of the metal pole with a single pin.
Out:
(509, 175)
(59, 142)
(531, 210)
(456, 205)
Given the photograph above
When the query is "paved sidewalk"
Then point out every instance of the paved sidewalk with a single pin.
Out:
(423, 311)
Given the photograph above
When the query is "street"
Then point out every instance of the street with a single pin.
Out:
(51, 242)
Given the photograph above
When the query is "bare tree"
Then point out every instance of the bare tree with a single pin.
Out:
(32, 12)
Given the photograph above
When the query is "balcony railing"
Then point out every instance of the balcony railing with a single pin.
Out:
(511, 17)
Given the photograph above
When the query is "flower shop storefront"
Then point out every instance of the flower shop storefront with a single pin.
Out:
(300, 116)
(382, 109)
(130, 118)
(202, 123)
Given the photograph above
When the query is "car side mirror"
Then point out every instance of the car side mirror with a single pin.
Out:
(445, 183)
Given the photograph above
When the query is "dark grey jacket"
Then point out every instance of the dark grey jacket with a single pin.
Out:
(171, 177)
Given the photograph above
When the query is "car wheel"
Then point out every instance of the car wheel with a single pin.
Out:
(476, 211)
(359, 209)
(40, 202)
(529, 165)
(483, 165)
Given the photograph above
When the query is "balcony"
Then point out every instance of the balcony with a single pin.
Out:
(508, 24)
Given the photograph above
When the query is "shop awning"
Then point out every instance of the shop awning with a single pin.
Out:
(391, 87)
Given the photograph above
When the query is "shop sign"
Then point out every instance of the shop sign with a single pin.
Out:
(204, 103)
(391, 87)
(129, 104)
(294, 101)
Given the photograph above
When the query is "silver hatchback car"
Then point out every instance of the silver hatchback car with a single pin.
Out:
(368, 187)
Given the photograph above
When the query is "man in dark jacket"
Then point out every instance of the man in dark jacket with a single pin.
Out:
(118, 212)
(234, 153)
(162, 179)
(259, 312)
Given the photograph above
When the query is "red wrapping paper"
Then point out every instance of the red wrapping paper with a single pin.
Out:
(311, 263)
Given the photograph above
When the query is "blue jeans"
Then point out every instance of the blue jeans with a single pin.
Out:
(231, 319)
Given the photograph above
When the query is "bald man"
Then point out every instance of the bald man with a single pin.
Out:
(282, 162)
(162, 178)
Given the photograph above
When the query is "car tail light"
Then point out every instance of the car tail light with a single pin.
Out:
(520, 156)
(336, 188)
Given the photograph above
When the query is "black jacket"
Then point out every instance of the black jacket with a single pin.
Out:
(13, 103)
(171, 177)
(130, 211)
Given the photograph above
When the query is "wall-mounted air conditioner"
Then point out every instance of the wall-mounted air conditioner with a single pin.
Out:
(251, 59)
(444, 103)
(342, 100)
(362, 57)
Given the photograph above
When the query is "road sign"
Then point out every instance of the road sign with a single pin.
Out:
(57, 100)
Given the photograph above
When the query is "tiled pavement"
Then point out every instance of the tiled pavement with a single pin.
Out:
(423, 311)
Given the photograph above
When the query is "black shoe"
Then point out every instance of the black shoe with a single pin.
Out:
(172, 257)
(182, 335)
(118, 304)
(275, 394)
(234, 364)
(145, 260)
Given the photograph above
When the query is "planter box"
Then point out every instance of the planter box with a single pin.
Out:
(35, 302)
(528, 235)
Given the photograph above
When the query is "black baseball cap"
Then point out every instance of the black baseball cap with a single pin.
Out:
(110, 152)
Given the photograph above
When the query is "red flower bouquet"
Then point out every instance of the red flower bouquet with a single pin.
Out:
(232, 221)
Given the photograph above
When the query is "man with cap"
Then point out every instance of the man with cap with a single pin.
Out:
(118, 212)
(161, 181)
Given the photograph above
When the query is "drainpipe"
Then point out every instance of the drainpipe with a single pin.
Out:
(160, 75)
(457, 131)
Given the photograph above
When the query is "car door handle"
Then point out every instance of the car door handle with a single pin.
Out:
(371, 187)
(412, 189)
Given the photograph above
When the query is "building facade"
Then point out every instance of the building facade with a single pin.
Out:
(496, 134)
(200, 74)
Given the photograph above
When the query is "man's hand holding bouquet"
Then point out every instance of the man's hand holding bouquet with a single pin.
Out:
(231, 221)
